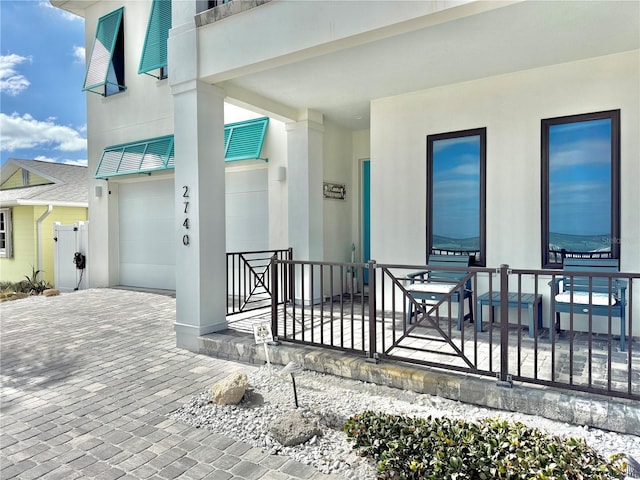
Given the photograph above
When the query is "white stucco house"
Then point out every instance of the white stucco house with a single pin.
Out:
(508, 129)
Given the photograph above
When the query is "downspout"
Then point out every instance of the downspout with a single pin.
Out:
(39, 238)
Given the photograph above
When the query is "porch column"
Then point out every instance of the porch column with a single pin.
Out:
(304, 180)
(201, 302)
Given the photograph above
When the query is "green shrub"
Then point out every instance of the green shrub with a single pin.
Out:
(7, 286)
(444, 448)
(32, 285)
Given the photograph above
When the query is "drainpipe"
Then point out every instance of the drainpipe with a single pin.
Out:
(39, 237)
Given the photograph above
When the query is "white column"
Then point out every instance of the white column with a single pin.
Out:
(201, 301)
(304, 180)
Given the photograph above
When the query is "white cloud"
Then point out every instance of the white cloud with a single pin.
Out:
(78, 54)
(581, 153)
(66, 161)
(11, 82)
(21, 132)
(440, 145)
(80, 163)
(469, 166)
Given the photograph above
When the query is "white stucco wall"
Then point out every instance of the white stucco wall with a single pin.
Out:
(511, 108)
(144, 110)
(337, 213)
(275, 150)
(305, 31)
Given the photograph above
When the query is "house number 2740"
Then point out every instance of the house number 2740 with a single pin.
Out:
(185, 224)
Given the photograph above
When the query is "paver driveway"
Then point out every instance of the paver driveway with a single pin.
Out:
(88, 381)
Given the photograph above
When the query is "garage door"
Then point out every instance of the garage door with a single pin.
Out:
(147, 234)
(147, 227)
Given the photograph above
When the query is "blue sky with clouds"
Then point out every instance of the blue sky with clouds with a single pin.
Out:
(456, 187)
(42, 66)
(580, 178)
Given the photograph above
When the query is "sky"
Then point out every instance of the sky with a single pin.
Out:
(456, 187)
(580, 178)
(42, 68)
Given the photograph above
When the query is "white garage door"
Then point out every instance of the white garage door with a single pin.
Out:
(147, 226)
(147, 234)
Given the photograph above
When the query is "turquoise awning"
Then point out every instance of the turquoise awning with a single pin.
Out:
(242, 141)
(102, 51)
(154, 50)
(144, 156)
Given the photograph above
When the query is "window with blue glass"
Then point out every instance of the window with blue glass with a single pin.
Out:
(580, 187)
(456, 166)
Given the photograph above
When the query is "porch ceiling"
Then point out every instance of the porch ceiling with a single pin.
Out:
(514, 37)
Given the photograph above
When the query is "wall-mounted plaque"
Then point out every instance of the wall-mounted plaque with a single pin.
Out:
(337, 191)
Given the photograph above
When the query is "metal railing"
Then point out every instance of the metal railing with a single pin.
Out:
(328, 306)
(250, 276)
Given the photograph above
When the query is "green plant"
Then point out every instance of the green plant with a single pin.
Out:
(32, 285)
(8, 287)
(444, 448)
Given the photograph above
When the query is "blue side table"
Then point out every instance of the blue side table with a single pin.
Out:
(532, 302)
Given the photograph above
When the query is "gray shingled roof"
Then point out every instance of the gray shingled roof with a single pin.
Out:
(70, 184)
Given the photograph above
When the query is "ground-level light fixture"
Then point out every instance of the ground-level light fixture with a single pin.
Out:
(292, 367)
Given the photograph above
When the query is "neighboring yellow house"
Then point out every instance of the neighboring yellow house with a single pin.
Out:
(33, 196)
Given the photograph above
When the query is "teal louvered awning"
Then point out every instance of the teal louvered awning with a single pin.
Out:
(102, 51)
(243, 140)
(154, 50)
(144, 156)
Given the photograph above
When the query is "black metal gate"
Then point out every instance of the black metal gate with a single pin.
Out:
(249, 279)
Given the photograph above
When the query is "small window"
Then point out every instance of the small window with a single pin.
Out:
(456, 166)
(5, 233)
(154, 51)
(105, 70)
(580, 187)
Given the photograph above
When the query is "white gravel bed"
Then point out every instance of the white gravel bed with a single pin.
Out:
(332, 400)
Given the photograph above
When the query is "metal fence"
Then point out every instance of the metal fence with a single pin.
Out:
(250, 276)
(513, 334)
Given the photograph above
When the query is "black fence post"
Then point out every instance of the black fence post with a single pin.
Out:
(504, 379)
(290, 267)
(274, 298)
(372, 353)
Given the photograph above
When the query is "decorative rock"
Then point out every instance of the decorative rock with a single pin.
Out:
(293, 429)
(6, 296)
(50, 292)
(230, 390)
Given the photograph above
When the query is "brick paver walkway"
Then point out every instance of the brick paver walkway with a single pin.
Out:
(88, 381)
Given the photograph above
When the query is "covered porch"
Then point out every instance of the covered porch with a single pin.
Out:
(326, 305)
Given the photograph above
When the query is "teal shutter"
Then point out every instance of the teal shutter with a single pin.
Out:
(243, 140)
(102, 50)
(144, 156)
(154, 51)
